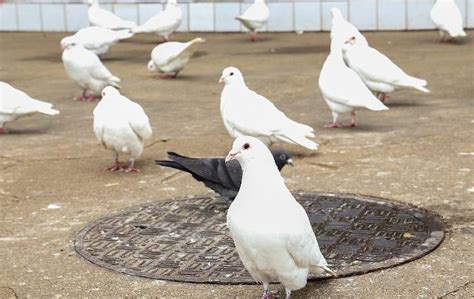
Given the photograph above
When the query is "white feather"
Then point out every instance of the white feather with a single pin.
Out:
(98, 39)
(341, 28)
(165, 22)
(15, 103)
(86, 69)
(270, 229)
(120, 124)
(104, 18)
(171, 57)
(255, 16)
(377, 71)
(447, 18)
(342, 89)
(245, 112)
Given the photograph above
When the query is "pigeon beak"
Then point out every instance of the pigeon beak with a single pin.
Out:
(221, 79)
(231, 156)
(290, 162)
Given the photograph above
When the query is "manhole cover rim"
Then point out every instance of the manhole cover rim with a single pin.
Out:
(436, 222)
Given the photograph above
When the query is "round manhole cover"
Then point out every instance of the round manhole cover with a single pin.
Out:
(187, 239)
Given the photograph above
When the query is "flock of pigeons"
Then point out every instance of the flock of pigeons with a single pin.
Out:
(278, 244)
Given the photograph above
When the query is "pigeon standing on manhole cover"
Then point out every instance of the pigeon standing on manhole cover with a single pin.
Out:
(187, 239)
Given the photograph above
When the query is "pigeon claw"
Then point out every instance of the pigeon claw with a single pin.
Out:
(131, 169)
(333, 125)
(115, 167)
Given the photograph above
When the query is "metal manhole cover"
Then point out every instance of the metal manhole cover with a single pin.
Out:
(186, 240)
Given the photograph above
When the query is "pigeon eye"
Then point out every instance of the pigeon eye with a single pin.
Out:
(282, 157)
(246, 146)
(231, 74)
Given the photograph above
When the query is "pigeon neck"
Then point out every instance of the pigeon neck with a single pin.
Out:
(258, 171)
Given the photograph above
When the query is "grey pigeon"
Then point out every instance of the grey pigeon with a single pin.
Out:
(223, 178)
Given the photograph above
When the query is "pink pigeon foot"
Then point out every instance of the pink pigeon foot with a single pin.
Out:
(131, 168)
(253, 36)
(332, 125)
(115, 167)
(168, 76)
(3, 130)
(382, 96)
(351, 125)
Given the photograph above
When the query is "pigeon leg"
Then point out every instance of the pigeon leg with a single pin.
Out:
(334, 123)
(3, 130)
(382, 96)
(175, 75)
(353, 121)
(253, 36)
(288, 293)
(131, 167)
(168, 76)
(266, 293)
(116, 167)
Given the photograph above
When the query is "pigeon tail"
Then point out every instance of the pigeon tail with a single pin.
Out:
(457, 33)
(44, 107)
(114, 81)
(376, 105)
(298, 139)
(171, 164)
(415, 83)
(124, 33)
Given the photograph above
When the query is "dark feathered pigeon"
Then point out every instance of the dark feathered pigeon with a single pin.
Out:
(223, 178)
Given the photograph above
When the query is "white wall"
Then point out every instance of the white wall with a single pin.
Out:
(286, 15)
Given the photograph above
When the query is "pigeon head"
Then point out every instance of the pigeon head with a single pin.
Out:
(247, 149)
(282, 158)
(336, 13)
(69, 42)
(231, 75)
(109, 90)
(151, 66)
(92, 2)
(172, 3)
(347, 43)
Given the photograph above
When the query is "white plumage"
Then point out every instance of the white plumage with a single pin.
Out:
(121, 126)
(104, 18)
(86, 70)
(447, 18)
(254, 17)
(377, 71)
(341, 28)
(270, 229)
(342, 89)
(165, 22)
(171, 57)
(98, 39)
(15, 103)
(245, 112)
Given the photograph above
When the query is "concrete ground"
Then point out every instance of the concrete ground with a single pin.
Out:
(419, 152)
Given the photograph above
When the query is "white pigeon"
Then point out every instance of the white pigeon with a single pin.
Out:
(171, 57)
(121, 126)
(270, 229)
(104, 18)
(377, 71)
(447, 18)
(86, 70)
(254, 17)
(165, 22)
(342, 28)
(245, 112)
(98, 39)
(342, 89)
(15, 103)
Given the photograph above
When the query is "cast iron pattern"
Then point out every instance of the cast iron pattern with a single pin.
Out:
(187, 239)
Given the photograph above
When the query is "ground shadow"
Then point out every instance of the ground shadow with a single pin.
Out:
(406, 103)
(52, 57)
